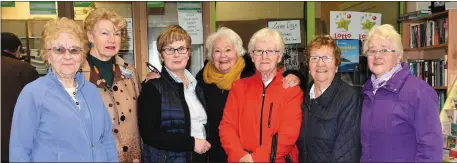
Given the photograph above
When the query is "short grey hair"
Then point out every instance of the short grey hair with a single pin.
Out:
(225, 34)
(385, 31)
(270, 34)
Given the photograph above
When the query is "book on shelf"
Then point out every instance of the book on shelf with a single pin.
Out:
(414, 15)
(428, 33)
(431, 71)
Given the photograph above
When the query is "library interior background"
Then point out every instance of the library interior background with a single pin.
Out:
(432, 58)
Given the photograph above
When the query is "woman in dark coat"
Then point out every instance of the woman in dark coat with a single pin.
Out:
(171, 109)
(330, 130)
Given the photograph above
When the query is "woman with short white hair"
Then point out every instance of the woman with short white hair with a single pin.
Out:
(271, 118)
(400, 115)
(226, 64)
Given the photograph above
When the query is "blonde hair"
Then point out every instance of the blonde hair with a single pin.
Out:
(171, 34)
(225, 34)
(320, 41)
(106, 14)
(267, 34)
(54, 28)
(385, 31)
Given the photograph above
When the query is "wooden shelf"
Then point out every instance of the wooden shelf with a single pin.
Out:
(429, 17)
(434, 47)
(440, 87)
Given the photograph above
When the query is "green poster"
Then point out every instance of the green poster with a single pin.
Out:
(155, 4)
(83, 4)
(8, 4)
(43, 8)
(190, 7)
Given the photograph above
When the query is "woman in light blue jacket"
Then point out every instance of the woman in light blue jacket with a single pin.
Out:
(61, 117)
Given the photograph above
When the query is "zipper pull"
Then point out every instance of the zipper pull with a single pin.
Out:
(269, 115)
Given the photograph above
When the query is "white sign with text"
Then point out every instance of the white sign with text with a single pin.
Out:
(290, 30)
(192, 23)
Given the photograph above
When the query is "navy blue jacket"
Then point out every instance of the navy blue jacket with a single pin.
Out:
(164, 120)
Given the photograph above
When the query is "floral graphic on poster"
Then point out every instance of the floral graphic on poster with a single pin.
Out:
(342, 24)
(351, 24)
(367, 24)
(368, 21)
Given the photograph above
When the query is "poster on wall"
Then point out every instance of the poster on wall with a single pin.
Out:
(82, 9)
(349, 54)
(8, 4)
(290, 30)
(291, 61)
(351, 24)
(190, 18)
(367, 21)
(43, 8)
(127, 44)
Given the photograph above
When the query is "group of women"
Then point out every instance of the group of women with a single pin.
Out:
(239, 108)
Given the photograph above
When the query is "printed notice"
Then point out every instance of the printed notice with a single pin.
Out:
(290, 30)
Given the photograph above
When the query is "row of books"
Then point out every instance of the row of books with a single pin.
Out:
(434, 72)
(429, 33)
(414, 15)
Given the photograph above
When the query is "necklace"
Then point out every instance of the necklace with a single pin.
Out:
(73, 94)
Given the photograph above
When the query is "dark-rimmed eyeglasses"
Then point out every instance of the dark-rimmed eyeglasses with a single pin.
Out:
(268, 52)
(315, 59)
(382, 52)
(171, 51)
(61, 50)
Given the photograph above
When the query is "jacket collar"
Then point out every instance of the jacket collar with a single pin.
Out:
(78, 76)
(276, 79)
(9, 55)
(394, 84)
(328, 95)
(118, 73)
(166, 76)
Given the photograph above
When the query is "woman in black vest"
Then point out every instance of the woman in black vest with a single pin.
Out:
(171, 109)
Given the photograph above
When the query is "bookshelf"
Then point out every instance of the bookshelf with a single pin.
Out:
(445, 50)
(29, 31)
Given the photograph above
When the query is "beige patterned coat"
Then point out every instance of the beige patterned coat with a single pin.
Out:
(120, 100)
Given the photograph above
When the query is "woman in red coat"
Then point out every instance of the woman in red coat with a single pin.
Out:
(259, 109)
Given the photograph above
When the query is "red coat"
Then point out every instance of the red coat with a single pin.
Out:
(279, 110)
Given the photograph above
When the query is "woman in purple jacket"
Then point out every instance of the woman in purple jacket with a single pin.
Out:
(400, 114)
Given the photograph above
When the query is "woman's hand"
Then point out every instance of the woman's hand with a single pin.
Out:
(246, 158)
(290, 81)
(152, 75)
(201, 146)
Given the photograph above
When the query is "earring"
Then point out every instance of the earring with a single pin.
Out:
(91, 44)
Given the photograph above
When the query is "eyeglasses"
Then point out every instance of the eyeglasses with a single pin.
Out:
(171, 51)
(61, 50)
(382, 52)
(268, 52)
(315, 59)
